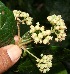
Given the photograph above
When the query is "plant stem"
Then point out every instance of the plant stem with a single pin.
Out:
(29, 52)
(18, 30)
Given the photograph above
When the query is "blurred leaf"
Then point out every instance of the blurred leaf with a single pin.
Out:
(59, 7)
(7, 25)
(59, 53)
(57, 68)
(28, 67)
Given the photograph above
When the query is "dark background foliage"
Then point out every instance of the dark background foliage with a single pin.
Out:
(39, 10)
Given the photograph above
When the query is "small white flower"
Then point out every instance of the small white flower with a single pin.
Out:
(44, 57)
(34, 35)
(38, 65)
(48, 32)
(44, 33)
(63, 35)
(32, 30)
(49, 18)
(49, 64)
(31, 26)
(28, 22)
(38, 60)
(41, 66)
(54, 21)
(47, 69)
(57, 27)
(59, 17)
(50, 56)
(44, 61)
(27, 14)
(41, 60)
(23, 14)
(61, 31)
(56, 39)
(59, 36)
(58, 23)
(63, 38)
(49, 37)
(14, 11)
(63, 27)
(37, 27)
(40, 35)
(61, 22)
(41, 55)
(42, 28)
(36, 39)
(37, 23)
(45, 41)
(44, 71)
(40, 41)
(23, 22)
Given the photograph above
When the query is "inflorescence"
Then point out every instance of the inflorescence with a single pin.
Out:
(45, 63)
(58, 27)
(22, 17)
(40, 35)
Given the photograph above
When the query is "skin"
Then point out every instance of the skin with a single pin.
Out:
(13, 51)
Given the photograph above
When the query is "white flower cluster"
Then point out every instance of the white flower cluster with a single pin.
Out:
(26, 18)
(39, 35)
(45, 63)
(58, 27)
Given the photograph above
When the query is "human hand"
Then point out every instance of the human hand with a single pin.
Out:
(9, 55)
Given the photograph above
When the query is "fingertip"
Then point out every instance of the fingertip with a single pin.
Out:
(14, 52)
(16, 38)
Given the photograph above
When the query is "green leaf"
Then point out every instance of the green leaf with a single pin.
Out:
(7, 25)
(57, 68)
(28, 67)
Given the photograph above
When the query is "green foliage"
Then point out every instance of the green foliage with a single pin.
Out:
(7, 25)
(28, 67)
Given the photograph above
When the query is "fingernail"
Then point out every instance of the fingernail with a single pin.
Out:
(14, 53)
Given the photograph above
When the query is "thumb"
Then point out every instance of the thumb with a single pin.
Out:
(14, 53)
(9, 55)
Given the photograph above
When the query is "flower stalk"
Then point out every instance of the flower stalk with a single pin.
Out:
(25, 49)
